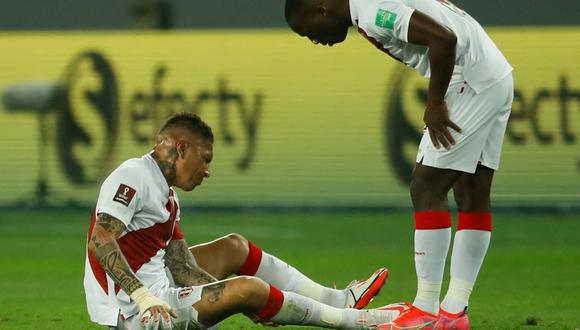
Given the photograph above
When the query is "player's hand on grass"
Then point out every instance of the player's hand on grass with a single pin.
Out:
(155, 313)
(438, 123)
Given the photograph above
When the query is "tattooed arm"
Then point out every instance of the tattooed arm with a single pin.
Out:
(103, 245)
(183, 267)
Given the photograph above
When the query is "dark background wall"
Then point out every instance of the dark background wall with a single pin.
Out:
(124, 14)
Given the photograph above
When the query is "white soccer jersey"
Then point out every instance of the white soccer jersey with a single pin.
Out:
(137, 194)
(385, 23)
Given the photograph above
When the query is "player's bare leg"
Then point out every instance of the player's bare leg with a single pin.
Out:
(222, 257)
(429, 189)
(472, 195)
(234, 254)
(473, 191)
(224, 298)
(259, 300)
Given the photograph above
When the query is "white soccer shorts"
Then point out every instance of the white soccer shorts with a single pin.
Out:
(482, 118)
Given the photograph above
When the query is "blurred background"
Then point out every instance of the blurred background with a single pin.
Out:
(313, 152)
(86, 84)
(222, 14)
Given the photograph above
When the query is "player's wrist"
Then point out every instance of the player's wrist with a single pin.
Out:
(143, 298)
(434, 103)
(140, 294)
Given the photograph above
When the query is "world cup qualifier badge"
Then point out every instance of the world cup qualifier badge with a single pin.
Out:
(124, 194)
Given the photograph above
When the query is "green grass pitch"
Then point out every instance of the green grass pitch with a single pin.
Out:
(530, 279)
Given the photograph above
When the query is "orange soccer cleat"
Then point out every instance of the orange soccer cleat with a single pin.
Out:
(360, 294)
(448, 321)
(410, 319)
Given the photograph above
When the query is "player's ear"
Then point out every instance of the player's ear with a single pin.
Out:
(181, 147)
(321, 9)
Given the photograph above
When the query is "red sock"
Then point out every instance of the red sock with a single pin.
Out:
(253, 261)
(474, 221)
(432, 220)
(273, 305)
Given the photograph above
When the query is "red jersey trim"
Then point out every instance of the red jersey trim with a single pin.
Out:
(96, 268)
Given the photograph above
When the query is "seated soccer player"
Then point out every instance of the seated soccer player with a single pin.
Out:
(140, 272)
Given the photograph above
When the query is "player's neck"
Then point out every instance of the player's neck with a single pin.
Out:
(167, 167)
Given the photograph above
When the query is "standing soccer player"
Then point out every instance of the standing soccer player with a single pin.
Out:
(134, 241)
(469, 102)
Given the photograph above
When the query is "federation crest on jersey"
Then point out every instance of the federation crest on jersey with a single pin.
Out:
(124, 194)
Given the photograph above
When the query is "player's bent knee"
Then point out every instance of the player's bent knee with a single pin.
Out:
(236, 241)
(251, 289)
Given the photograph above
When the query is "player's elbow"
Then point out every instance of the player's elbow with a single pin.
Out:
(448, 37)
(97, 240)
(443, 44)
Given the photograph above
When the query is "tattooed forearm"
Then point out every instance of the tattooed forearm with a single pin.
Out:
(106, 226)
(103, 245)
(182, 266)
(115, 264)
(166, 163)
(213, 292)
(188, 276)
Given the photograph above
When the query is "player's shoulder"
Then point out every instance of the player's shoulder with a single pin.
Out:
(133, 167)
(382, 14)
(373, 6)
(134, 171)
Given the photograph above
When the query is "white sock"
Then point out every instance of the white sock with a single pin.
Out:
(287, 278)
(300, 310)
(469, 249)
(431, 247)
(457, 297)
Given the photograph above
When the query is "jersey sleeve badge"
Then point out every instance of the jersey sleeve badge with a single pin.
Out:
(385, 19)
(124, 194)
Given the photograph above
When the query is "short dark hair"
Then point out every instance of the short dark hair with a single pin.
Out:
(191, 122)
(293, 7)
